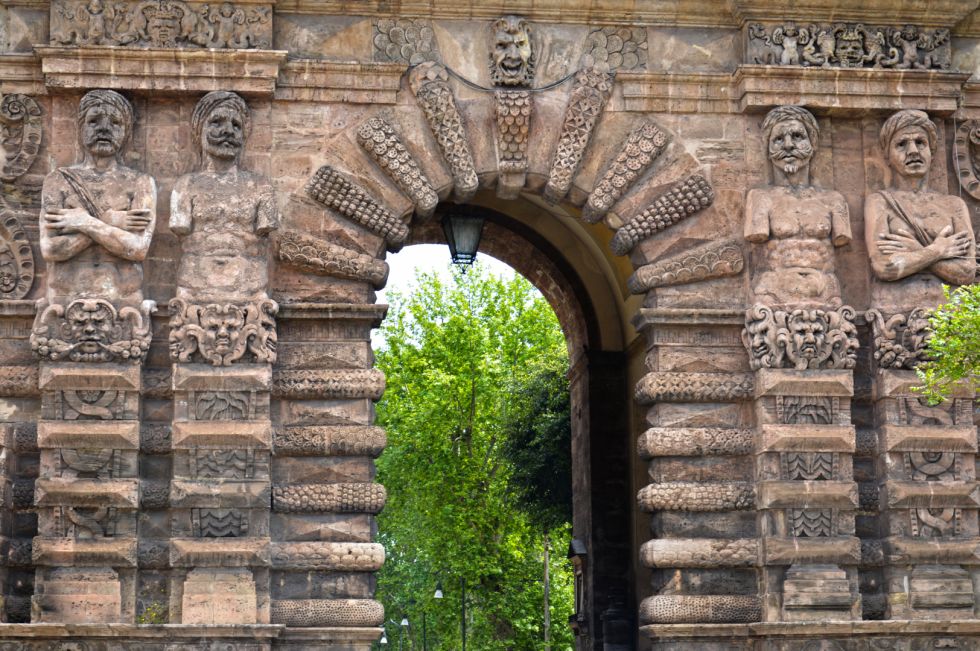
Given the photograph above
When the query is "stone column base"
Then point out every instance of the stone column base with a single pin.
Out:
(254, 637)
(894, 635)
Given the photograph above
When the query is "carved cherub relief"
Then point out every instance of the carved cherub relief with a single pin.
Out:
(97, 220)
(798, 224)
(512, 57)
(909, 228)
(223, 216)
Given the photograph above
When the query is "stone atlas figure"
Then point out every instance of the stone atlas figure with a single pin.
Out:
(223, 216)
(911, 230)
(97, 220)
(798, 224)
(798, 317)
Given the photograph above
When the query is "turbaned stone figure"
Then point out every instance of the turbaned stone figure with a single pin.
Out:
(917, 240)
(797, 318)
(96, 223)
(223, 216)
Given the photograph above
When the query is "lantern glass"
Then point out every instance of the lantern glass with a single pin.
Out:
(463, 232)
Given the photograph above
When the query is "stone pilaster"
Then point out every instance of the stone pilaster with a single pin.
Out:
(807, 496)
(87, 493)
(928, 497)
(325, 501)
(220, 494)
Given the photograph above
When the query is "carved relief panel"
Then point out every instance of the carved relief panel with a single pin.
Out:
(161, 24)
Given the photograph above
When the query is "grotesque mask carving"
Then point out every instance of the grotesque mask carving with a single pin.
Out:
(849, 47)
(512, 59)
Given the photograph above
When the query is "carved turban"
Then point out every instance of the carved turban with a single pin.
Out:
(784, 113)
(99, 97)
(903, 120)
(211, 102)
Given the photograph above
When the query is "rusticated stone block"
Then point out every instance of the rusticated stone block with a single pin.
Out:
(329, 440)
(87, 492)
(60, 552)
(326, 384)
(697, 496)
(694, 387)
(328, 556)
(694, 442)
(700, 552)
(219, 552)
(213, 596)
(329, 498)
(328, 612)
(700, 609)
(92, 434)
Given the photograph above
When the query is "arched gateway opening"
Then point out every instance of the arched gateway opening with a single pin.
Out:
(562, 261)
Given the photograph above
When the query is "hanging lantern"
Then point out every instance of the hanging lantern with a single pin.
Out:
(463, 228)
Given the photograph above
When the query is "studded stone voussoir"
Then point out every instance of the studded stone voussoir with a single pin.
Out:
(684, 199)
(382, 143)
(430, 83)
(700, 609)
(337, 192)
(642, 146)
(513, 112)
(324, 258)
(588, 98)
(705, 262)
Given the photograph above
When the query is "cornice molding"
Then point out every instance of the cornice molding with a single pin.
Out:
(351, 82)
(933, 13)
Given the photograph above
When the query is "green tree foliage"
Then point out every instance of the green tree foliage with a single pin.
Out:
(452, 354)
(954, 348)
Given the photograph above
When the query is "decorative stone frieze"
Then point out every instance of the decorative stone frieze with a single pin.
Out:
(430, 83)
(694, 442)
(328, 383)
(642, 146)
(616, 47)
(680, 202)
(849, 45)
(378, 138)
(407, 40)
(590, 91)
(705, 262)
(161, 24)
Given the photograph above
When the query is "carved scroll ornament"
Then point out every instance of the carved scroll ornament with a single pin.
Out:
(967, 147)
(800, 339)
(20, 134)
(900, 340)
(92, 330)
(223, 333)
(160, 23)
(16, 260)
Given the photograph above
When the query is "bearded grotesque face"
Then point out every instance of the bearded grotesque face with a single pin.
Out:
(909, 152)
(103, 130)
(90, 325)
(512, 58)
(850, 50)
(224, 133)
(223, 327)
(809, 336)
(790, 149)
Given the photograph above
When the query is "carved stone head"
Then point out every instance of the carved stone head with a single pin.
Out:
(512, 57)
(220, 123)
(849, 46)
(223, 326)
(90, 324)
(790, 133)
(908, 139)
(105, 121)
(163, 23)
(808, 334)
